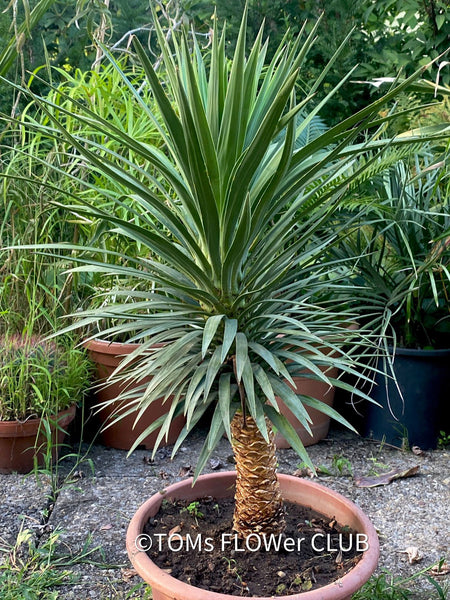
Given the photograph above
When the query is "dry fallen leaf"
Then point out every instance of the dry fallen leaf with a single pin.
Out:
(305, 472)
(186, 471)
(440, 569)
(128, 574)
(413, 554)
(106, 527)
(175, 530)
(417, 450)
(386, 478)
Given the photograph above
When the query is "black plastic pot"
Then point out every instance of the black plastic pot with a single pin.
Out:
(423, 377)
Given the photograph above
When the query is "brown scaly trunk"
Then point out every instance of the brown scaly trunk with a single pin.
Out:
(259, 506)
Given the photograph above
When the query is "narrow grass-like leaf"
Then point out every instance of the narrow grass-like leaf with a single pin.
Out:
(327, 410)
(215, 433)
(225, 401)
(265, 385)
(214, 366)
(292, 401)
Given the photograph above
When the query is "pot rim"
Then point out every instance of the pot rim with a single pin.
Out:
(99, 345)
(9, 427)
(338, 590)
(418, 352)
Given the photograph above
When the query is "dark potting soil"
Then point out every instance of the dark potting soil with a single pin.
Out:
(194, 542)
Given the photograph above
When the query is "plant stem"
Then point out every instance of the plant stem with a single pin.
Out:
(259, 506)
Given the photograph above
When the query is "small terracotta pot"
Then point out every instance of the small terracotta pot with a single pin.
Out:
(21, 442)
(221, 485)
(107, 356)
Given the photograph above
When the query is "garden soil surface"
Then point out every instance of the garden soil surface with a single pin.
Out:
(195, 544)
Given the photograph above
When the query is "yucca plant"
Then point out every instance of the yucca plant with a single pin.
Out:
(237, 300)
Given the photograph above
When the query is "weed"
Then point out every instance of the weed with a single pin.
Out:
(193, 510)
(387, 587)
(377, 466)
(403, 435)
(141, 591)
(140, 587)
(443, 440)
(34, 571)
(51, 468)
(63, 472)
(232, 569)
(231, 564)
(340, 466)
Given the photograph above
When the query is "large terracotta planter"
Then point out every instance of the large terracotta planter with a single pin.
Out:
(319, 390)
(21, 442)
(221, 485)
(107, 356)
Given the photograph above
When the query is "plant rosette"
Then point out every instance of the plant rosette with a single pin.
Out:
(221, 485)
(235, 230)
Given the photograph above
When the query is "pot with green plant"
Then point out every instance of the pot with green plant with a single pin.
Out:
(405, 261)
(41, 382)
(115, 430)
(238, 256)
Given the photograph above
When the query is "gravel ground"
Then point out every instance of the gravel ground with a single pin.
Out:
(97, 505)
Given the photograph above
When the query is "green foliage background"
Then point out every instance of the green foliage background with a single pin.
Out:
(388, 35)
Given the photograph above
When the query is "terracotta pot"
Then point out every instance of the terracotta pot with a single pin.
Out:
(221, 485)
(316, 389)
(20, 442)
(107, 356)
(320, 421)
